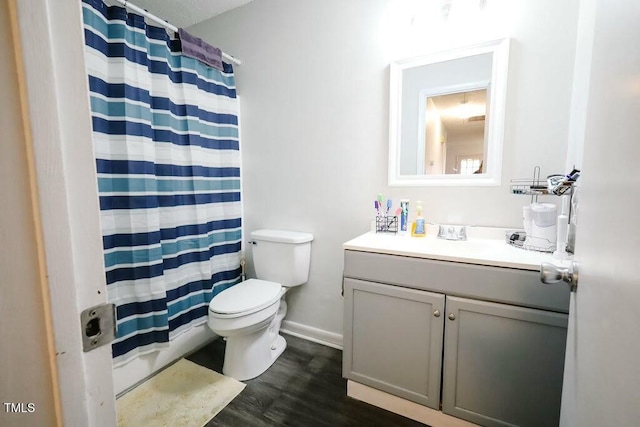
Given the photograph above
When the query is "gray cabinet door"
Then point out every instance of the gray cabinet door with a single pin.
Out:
(503, 364)
(393, 339)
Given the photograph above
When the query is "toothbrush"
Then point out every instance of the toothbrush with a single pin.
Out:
(377, 207)
(388, 206)
(381, 203)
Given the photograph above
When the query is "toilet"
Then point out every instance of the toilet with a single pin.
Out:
(250, 313)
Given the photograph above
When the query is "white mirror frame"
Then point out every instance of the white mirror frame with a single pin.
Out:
(496, 112)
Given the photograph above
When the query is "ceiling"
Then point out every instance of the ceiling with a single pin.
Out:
(184, 13)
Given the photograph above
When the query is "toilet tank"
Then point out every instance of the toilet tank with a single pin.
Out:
(282, 256)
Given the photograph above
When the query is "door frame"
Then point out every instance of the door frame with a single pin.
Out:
(54, 89)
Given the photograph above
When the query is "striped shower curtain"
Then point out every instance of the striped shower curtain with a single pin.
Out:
(165, 135)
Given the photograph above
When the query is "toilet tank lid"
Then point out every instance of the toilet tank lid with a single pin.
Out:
(281, 236)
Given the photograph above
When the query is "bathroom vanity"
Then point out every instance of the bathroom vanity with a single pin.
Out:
(444, 331)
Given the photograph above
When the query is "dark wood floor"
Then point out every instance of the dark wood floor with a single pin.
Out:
(304, 387)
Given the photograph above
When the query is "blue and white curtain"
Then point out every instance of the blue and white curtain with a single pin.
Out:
(165, 134)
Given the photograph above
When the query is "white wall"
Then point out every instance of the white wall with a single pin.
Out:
(314, 83)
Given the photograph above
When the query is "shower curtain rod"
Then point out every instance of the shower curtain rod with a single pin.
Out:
(141, 11)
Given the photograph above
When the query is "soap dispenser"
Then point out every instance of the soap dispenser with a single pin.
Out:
(419, 228)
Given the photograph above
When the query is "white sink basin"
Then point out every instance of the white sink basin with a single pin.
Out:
(485, 251)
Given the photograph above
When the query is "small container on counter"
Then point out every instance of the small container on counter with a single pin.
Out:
(404, 215)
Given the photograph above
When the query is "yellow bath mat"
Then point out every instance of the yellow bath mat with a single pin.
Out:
(184, 394)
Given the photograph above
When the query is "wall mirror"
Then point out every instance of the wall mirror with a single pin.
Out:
(447, 117)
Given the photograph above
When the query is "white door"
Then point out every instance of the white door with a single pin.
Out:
(53, 90)
(602, 369)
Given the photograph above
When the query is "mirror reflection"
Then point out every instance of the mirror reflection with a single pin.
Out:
(436, 101)
(454, 133)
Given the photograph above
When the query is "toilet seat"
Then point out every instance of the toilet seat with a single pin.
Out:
(245, 298)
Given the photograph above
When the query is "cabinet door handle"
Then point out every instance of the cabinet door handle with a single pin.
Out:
(452, 316)
(436, 313)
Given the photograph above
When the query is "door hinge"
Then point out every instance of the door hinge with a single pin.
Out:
(98, 326)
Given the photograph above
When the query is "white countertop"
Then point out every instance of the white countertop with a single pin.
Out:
(485, 246)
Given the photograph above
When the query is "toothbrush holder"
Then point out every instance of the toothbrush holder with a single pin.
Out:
(387, 224)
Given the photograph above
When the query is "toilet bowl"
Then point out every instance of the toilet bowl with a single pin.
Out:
(243, 314)
(250, 313)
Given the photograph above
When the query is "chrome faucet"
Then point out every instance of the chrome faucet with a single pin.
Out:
(452, 232)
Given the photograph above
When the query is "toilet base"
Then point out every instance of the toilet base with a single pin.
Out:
(248, 356)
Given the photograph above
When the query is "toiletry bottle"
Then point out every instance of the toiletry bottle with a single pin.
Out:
(404, 214)
(563, 229)
(419, 228)
(573, 221)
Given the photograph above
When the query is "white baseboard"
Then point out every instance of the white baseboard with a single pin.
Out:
(403, 407)
(309, 333)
